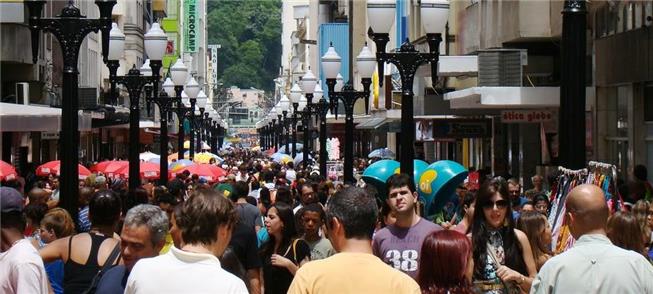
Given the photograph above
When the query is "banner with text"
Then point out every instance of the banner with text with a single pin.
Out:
(191, 29)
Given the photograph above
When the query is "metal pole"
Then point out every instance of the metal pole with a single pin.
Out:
(571, 126)
(180, 124)
(323, 109)
(286, 132)
(191, 152)
(163, 149)
(70, 30)
(294, 130)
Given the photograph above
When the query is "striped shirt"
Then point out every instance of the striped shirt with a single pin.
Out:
(83, 221)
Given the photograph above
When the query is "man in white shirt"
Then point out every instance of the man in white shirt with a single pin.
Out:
(21, 266)
(594, 264)
(206, 222)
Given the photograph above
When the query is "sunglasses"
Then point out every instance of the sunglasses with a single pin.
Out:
(499, 203)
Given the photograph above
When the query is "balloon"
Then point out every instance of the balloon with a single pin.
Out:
(419, 166)
(378, 173)
(437, 184)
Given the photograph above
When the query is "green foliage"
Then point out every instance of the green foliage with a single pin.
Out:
(250, 34)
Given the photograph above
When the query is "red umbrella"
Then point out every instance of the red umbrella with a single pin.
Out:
(53, 168)
(112, 168)
(148, 170)
(208, 171)
(7, 171)
(100, 166)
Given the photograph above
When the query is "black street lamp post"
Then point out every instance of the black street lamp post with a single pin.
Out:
(274, 129)
(572, 87)
(193, 100)
(70, 28)
(322, 108)
(214, 137)
(365, 62)
(134, 81)
(312, 90)
(407, 59)
(349, 96)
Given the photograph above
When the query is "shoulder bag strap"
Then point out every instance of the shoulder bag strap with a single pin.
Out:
(115, 253)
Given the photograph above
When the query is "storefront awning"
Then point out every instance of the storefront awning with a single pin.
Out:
(504, 97)
(384, 124)
(31, 118)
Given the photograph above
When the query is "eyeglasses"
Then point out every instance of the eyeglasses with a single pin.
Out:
(500, 204)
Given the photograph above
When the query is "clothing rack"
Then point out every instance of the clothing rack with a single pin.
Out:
(573, 172)
(597, 173)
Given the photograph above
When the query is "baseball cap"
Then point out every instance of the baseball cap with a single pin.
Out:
(10, 199)
(226, 189)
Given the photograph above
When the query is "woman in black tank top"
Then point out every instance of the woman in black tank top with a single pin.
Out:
(104, 213)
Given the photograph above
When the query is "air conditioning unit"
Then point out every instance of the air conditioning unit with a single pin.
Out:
(501, 67)
(22, 93)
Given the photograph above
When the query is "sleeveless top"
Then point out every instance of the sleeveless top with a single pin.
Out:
(489, 277)
(77, 277)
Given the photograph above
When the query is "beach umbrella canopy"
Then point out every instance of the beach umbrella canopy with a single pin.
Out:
(148, 170)
(383, 153)
(205, 157)
(300, 147)
(180, 164)
(54, 168)
(147, 156)
(100, 166)
(111, 169)
(204, 145)
(300, 157)
(7, 171)
(284, 158)
(207, 171)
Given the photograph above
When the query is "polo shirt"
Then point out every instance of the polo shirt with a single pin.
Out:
(182, 272)
(595, 265)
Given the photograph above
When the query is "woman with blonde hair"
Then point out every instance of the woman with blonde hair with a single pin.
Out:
(537, 229)
(56, 224)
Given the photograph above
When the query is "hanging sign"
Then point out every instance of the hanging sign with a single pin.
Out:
(526, 116)
(191, 29)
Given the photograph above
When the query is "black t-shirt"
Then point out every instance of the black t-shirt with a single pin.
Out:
(244, 244)
(278, 279)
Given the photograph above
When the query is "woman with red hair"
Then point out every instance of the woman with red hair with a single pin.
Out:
(445, 263)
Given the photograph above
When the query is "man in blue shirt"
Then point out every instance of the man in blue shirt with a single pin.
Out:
(514, 188)
(143, 235)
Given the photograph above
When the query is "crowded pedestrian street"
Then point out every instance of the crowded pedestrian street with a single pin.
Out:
(326, 147)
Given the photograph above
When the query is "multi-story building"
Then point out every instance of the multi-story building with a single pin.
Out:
(102, 127)
(622, 38)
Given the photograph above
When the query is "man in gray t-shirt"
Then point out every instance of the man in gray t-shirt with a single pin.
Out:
(247, 213)
(400, 244)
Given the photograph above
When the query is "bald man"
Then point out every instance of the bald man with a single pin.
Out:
(593, 265)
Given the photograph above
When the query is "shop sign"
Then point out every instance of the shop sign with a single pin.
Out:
(49, 135)
(191, 29)
(526, 116)
(462, 128)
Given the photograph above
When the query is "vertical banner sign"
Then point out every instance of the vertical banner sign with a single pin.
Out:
(191, 29)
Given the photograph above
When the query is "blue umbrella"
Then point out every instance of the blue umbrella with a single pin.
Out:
(300, 147)
(383, 153)
(300, 157)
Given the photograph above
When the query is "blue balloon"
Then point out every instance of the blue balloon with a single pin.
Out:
(437, 184)
(419, 166)
(378, 173)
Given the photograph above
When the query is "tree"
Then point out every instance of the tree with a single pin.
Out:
(250, 34)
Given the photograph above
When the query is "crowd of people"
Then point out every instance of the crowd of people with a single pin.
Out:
(272, 228)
